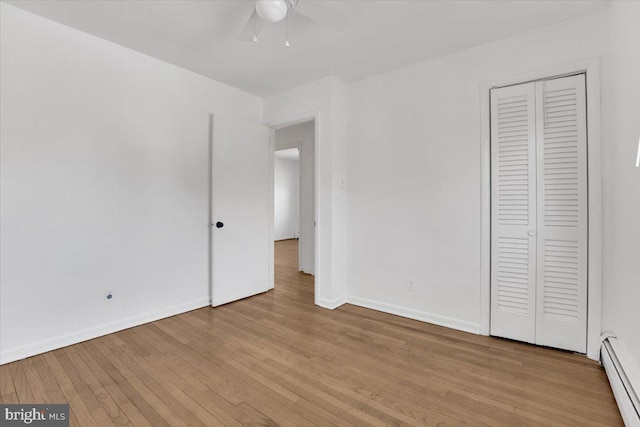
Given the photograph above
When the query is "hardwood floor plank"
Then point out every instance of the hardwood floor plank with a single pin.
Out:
(52, 389)
(334, 381)
(276, 359)
(7, 389)
(155, 375)
(269, 400)
(103, 397)
(35, 382)
(353, 378)
(166, 392)
(21, 383)
(81, 387)
(118, 394)
(248, 359)
(80, 413)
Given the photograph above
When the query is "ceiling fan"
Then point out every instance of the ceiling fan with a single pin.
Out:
(272, 11)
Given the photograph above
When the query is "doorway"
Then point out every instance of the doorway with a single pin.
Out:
(293, 193)
(286, 194)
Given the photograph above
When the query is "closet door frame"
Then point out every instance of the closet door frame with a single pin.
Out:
(591, 69)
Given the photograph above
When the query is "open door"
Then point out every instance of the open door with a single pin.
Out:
(240, 210)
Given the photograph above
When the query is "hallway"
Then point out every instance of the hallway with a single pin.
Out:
(287, 276)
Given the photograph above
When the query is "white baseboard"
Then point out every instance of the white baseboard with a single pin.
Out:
(277, 239)
(624, 380)
(331, 304)
(23, 352)
(422, 316)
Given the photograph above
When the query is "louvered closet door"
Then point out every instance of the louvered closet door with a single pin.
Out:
(513, 215)
(561, 308)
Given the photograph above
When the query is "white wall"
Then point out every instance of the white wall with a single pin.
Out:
(104, 169)
(621, 180)
(303, 136)
(414, 195)
(286, 198)
(325, 99)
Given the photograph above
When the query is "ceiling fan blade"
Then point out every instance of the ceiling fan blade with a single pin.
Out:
(252, 27)
(322, 15)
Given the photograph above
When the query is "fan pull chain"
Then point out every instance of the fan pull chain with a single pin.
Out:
(286, 43)
(255, 37)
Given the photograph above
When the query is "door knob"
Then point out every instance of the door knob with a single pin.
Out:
(531, 232)
(219, 224)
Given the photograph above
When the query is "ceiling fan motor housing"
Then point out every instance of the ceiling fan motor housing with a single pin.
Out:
(272, 10)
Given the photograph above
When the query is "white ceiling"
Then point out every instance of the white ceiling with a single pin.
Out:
(202, 35)
(288, 154)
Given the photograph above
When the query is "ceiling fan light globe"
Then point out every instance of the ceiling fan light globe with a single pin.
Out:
(271, 10)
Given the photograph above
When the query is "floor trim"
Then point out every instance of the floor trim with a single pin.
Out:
(332, 304)
(423, 316)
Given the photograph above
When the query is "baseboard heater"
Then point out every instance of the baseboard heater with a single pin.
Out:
(624, 380)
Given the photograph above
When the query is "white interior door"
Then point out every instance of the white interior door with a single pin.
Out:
(513, 212)
(240, 210)
(539, 213)
(561, 315)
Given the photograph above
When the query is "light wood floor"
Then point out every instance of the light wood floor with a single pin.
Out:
(276, 359)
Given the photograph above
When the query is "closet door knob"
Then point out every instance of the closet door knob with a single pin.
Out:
(219, 224)
(531, 232)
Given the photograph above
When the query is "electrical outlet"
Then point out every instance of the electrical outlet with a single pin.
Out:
(411, 284)
(108, 296)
